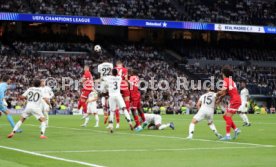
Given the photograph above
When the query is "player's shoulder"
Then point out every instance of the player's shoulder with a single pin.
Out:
(38, 89)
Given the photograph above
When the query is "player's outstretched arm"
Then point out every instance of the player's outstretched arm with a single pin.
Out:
(220, 95)
(198, 104)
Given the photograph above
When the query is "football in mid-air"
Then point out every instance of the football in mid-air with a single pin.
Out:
(97, 48)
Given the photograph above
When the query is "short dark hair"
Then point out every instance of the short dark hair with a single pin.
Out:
(5, 78)
(114, 72)
(37, 83)
(227, 71)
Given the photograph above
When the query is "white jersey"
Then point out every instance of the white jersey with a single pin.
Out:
(208, 101)
(92, 106)
(113, 84)
(105, 69)
(34, 97)
(244, 95)
(47, 92)
(93, 95)
(153, 119)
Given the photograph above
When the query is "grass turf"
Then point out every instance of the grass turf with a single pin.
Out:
(147, 148)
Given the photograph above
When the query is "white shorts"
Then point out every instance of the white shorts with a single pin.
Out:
(115, 101)
(92, 108)
(36, 112)
(157, 120)
(243, 108)
(45, 107)
(208, 115)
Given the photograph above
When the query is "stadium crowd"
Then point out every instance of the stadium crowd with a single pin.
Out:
(256, 12)
(147, 60)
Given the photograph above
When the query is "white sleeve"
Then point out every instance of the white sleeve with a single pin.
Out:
(247, 92)
(51, 93)
(201, 99)
(25, 94)
(99, 68)
(215, 95)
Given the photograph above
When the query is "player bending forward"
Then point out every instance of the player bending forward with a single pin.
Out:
(154, 122)
(206, 107)
(35, 100)
(91, 109)
(48, 95)
(115, 98)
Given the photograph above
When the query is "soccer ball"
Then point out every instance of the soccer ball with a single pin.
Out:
(97, 48)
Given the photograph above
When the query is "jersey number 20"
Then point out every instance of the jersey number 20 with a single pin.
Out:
(33, 97)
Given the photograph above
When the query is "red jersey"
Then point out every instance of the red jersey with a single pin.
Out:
(232, 90)
(134, 89)
(123, 72)
(88, 80)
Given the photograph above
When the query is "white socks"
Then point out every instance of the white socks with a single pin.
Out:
(163, 126)
(17, 126)
(127, 116)
(46, 114)
(213, 128)
(43, 128)
(244, 118)
(191, 129)
(97, 119)
(86, 120)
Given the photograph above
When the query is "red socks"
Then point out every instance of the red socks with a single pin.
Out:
(117, 115)
(229, 124)
(142, 115)
(136, 117)
(127, 105)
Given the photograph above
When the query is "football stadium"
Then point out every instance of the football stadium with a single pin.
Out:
(125, 83)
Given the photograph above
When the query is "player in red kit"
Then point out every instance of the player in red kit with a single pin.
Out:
(230, 88)
(87, 83)
(123, 72)
(135, 99)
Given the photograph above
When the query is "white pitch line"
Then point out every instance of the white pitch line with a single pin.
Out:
(261, 123)
(50, 157)
(160, 136)
(149, 150)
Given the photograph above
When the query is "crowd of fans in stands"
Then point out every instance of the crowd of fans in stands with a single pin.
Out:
(148, 61)
(255, 12)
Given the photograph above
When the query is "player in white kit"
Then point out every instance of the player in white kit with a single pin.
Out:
(105, 70)
(206, 108)
(91, 108)
(35, 100)
(154, 122)
(48, 95)
(115, 98)
(244, 108)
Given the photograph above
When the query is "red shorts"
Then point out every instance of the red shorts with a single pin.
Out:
(233, 108)
(136, 104)
(125, 93)
(85, 93)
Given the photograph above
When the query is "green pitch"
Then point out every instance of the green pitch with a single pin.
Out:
(69, 145)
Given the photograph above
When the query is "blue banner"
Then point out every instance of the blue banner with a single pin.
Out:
(46, 18)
